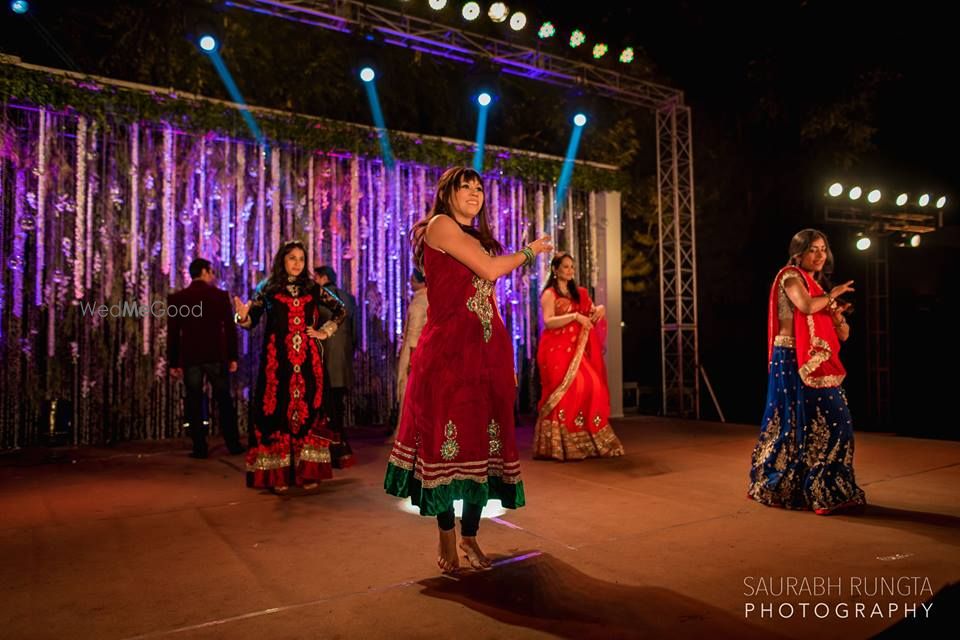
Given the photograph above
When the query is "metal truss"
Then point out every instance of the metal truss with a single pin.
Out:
(678, 282)
(678, 263)
(878, 333)
(884, 221)
(399, 29)
(881, 225)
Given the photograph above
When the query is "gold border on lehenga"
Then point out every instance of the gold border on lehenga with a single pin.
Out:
(785, 341)
(554, 399)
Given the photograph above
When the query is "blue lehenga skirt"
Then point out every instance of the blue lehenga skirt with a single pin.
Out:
(804, 459)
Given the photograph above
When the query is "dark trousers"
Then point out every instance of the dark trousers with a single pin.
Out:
(469, 521)
(335, 405)
(217, 374)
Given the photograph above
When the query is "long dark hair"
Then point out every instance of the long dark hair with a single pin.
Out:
(553, 283)
(278, 279)
(799, 244)
(448, 183)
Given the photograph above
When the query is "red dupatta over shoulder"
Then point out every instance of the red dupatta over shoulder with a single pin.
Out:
(818, 346)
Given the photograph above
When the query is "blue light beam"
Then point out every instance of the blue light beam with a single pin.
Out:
(484, 101)
(231, 86)
(385, 151)
(567, 172)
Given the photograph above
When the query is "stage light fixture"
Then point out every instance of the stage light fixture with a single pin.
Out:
(579, 119)
(498, 12)
(626, 56)
(484, 99)
(20, 7)
(855, 193)
(863, 242)
(924, 200)
(874, 196)
(208, 43)
(915, 240)
(470, 11)
(437, 5)
(599, 50)
(835, 189)
(941, 202)
(367, 74)
(577, 38)
(547, 30)
(902, 199)
(518, 21)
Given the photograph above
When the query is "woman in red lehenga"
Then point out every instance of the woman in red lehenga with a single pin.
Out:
(456, 438)
(573, 420)
(289, 441)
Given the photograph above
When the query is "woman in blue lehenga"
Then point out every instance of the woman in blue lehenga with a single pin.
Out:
(804, 459)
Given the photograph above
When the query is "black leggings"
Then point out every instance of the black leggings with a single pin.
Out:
(469, 521)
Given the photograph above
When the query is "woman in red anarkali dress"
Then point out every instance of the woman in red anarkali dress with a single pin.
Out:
(456, 438)
(574, 413)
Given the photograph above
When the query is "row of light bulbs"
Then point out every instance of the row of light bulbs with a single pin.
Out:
(854, 193)
(499, 12)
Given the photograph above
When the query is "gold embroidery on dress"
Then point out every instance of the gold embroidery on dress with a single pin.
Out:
(479, 303)
(552, 440)
(449, 449)
(496, 446)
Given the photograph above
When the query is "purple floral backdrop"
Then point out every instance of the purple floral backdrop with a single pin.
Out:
(98, 213)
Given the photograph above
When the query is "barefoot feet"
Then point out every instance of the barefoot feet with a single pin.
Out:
(448, 559)
(474, 555)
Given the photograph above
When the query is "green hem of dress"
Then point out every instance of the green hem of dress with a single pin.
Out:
(402, 483)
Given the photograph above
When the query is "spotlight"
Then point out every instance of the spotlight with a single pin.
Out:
(915, 240)
(208, 43)
(855, 193)
(518, 20)
(835, 189)
(863, 242)
(547, 30)
(874, 196)
(626, 57)
(498, 12)
(367, 74)
(599, 50)
(470, 11)
(484, 99)
(20, 7)
(579, 119)
(436, 5)
(941, 202)
(902, 199)
(577, 38)
(924, 200)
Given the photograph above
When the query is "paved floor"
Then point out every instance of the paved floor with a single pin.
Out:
(140, 541)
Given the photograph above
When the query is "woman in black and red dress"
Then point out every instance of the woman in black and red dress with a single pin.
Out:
(289, 441)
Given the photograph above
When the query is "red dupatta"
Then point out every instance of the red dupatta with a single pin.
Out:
(818, 346)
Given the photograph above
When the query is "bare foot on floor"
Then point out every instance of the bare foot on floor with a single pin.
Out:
(475, 555)
(448, 559)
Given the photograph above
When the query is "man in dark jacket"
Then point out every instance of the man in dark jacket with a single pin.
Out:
(202, 341)
(338, 352)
